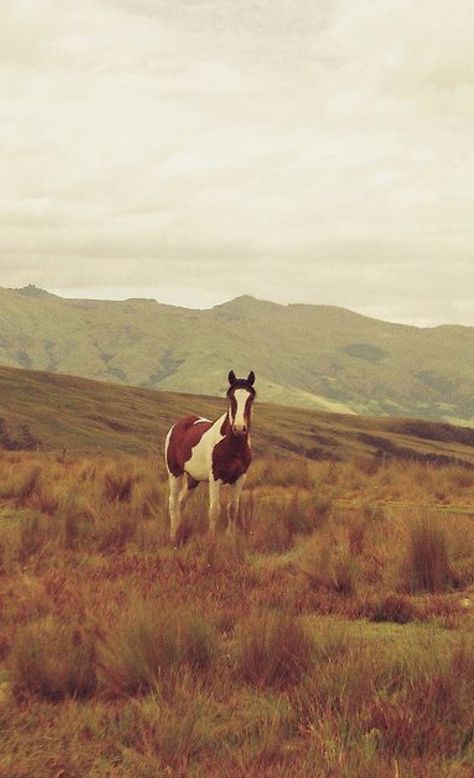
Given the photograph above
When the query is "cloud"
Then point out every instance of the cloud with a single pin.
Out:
(318, 150)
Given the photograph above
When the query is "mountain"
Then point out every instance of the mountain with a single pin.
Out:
(49, 412)
(312, 356)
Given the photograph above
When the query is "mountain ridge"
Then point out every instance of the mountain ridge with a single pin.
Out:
(314, 356)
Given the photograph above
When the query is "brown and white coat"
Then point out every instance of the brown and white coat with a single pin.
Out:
(218, 452)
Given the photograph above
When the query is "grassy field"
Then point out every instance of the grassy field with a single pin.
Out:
(331, 637)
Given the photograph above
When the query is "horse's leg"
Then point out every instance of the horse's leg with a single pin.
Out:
(233, 504)
(183, 495)
(214, 504)
(175, 486)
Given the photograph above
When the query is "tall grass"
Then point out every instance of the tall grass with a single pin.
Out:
(118, 487)
(327, 562)
(53, 660)
(415, 703)
(265, 726)
(427, 562)
(283, 472)
(278, 519)
(164, 736)
(274, 649)
(151, 644)
(330, 636)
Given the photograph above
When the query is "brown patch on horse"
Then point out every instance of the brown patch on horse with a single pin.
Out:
(231, 457)
(184, 436)
(192, 483)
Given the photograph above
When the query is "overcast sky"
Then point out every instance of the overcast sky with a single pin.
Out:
(313, 151)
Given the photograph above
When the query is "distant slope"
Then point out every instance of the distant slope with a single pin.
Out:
(50, 412)
(318, 357)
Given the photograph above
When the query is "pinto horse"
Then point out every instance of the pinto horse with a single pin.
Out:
(218, 452)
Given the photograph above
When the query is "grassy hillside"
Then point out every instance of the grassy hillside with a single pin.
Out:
(45, 411)
(318, 357)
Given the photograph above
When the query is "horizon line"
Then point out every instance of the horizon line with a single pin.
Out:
(92, 298)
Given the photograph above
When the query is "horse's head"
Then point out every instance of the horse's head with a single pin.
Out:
(241, 395)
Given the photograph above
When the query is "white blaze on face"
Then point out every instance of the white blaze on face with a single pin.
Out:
(239, 421)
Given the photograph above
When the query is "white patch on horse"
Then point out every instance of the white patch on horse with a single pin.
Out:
(199, 465)
(200, 420)
(167, 442)
(238, 422)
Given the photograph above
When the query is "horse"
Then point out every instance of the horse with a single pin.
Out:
(217, 452)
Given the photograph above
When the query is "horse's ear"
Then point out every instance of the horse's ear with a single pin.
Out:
(232, 378)
(251, 378)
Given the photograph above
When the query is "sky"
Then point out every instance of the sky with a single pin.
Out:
(316, 151)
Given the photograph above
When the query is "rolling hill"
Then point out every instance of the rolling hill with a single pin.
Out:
(312, 356)
(49, 412)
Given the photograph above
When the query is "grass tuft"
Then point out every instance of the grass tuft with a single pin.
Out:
(118, 487)
(53, 661)
(396, 608)
(274, 649)
(151, 645)
(171, 733)
(427, 563)
(28, 487)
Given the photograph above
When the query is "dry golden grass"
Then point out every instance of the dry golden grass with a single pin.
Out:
(331, 637)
